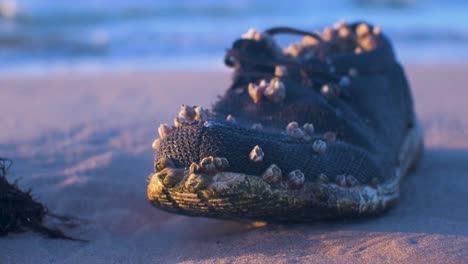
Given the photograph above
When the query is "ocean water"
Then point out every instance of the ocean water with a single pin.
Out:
(42, 35)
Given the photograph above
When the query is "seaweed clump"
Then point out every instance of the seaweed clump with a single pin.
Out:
(19, 212)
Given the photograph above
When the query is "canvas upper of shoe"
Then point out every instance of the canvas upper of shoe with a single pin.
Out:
(359, 106)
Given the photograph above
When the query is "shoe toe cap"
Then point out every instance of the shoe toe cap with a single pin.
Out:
(252, 152)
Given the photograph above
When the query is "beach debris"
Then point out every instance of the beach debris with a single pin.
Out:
(20, 212)
(256, 155)
(273, 174)
(296, 179)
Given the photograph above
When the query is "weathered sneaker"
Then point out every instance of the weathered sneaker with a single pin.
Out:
(322, 129)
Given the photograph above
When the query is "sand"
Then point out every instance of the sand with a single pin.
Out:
(82, 141)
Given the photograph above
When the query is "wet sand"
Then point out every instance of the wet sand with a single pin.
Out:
(82, 142)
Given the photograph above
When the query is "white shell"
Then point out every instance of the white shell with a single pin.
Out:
(252, 34)
(272, 174)
(256, 155)
(187, 112)
(256, 92)
(276, 91)
(156, 144)
(293, 130)
(231, 119)
(200, 113)
(164, 130)
(296, 179)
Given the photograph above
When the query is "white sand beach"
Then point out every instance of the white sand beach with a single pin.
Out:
(82, 142)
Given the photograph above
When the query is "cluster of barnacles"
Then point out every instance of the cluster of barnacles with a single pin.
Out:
(187, 115)
(340, 38)
(203, 175)
(306, 133)
(273, 91)
(295, 179)
(196, 177)
(190, 114)
(273, 175)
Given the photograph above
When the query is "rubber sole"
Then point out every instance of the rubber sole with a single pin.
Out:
(240, 196)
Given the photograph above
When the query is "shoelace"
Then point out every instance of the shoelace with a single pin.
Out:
(318, 70)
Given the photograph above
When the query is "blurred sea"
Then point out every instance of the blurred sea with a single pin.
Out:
(38, 35)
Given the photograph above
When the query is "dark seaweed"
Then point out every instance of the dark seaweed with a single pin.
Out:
(19, 212)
